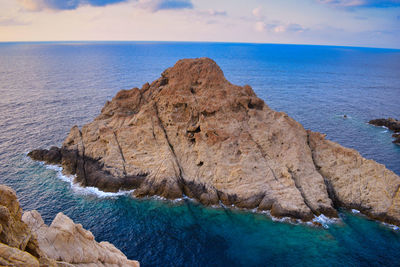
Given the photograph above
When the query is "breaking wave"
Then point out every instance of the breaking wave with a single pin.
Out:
(78, 189)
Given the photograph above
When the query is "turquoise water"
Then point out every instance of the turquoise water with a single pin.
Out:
(45, 88)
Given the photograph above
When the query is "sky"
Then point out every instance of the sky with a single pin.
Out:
(369, 23)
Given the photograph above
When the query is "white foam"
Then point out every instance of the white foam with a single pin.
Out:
(391, 226)
(325, 221)
(78, 189)
(355, 211)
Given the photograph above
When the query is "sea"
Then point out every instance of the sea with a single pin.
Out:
(46, 88)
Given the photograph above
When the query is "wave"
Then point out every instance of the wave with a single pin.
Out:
(78, 189)
(391, 226)
(325, 221)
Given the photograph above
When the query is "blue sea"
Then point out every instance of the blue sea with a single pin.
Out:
(46, 88)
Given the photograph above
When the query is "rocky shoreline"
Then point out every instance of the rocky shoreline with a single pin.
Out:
(193, 133)
(391, 124)
(26, 241)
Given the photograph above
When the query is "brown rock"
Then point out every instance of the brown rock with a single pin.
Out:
(52, 156)
(11, 256)
(390, 123)
(355, 182)
(192, 132)
(14, 232)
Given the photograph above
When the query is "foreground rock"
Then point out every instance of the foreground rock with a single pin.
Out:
(27, 241)
(192, 132)
(69, 242)
(18, 246)
(391, 124)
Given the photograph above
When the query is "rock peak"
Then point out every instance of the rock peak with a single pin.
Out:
(195, 71)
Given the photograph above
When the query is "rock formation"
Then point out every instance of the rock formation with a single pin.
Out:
(193, 133)
(27, 241)
(391, 124)
(18, 246)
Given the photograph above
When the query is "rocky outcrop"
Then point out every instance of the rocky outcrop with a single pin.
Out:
(391, 124)
(27, 241)
(66, 241)
(193, 133)
(18, 245)
(397, 138)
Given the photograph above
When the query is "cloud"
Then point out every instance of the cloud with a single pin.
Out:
(279, 27)
(153, 5)
(257, 12)
(157, 5)
(38, 5)
(213, 12)
(11, 22)
(260, 26)
(362, 3)
(291, 27)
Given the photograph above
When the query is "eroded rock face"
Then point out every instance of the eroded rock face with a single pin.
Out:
(27, 241)
(355, 182)
(66, 241)
(18, 246)
(192, 132)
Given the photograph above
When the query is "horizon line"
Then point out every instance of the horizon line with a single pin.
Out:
(217, 42)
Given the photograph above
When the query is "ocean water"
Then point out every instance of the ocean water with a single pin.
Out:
(46, 88)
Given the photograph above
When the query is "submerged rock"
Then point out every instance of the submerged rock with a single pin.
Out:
(27, 241)
(193, 133)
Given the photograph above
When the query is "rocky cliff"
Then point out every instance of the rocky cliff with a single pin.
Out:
(193, 133)
(26, 241)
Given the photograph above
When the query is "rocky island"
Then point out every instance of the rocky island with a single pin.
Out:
(391, 124)
(191, 132)
(26, 241)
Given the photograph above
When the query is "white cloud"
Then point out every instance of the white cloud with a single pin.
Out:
(260, 26)
(32, 5)
(257, 12)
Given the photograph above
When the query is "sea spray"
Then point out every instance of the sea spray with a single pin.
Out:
(77, 188)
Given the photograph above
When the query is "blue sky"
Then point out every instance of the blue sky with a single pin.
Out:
(328, 22)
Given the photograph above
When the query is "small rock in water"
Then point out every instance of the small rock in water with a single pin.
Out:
(391, 124)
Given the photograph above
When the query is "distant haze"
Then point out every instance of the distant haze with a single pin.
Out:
(368, 23)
